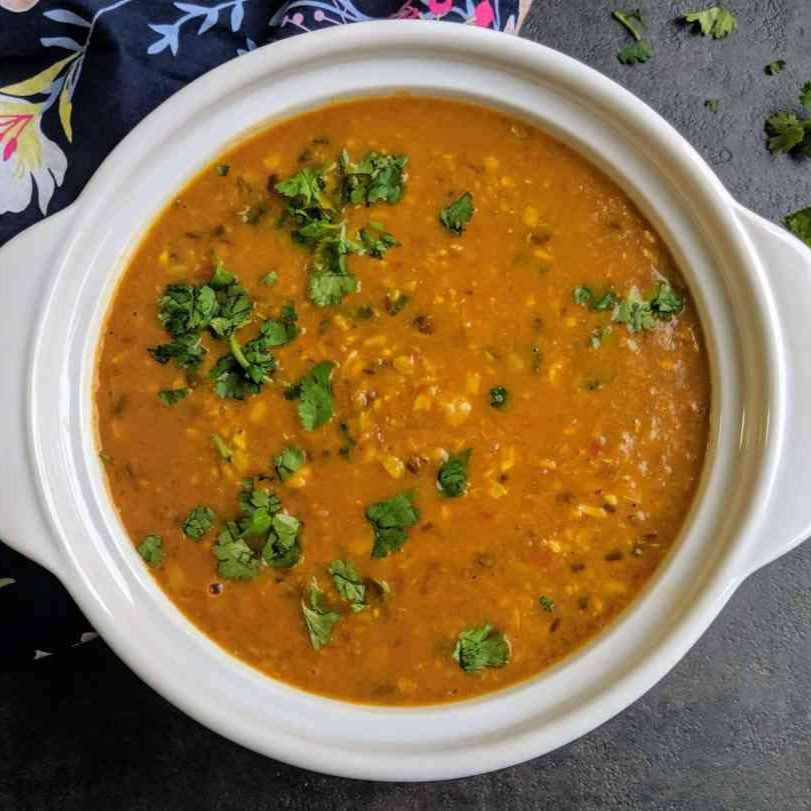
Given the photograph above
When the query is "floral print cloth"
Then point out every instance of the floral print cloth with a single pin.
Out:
(75, 77)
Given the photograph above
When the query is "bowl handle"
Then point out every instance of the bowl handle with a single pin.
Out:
(788, 266)
(26, 263)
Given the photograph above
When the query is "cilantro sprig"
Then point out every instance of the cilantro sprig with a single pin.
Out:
(314, 393)
(639, 50)
(348, 583)
(318, 619)
(289, 461)
(481, 647)
(389, 520)
(638, 314)
(716, 21)
(455, 216)
(199, 522)
(789, 131)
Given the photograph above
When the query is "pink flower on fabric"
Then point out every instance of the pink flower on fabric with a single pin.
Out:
(439, 8)
(483, 14)
(18, 5)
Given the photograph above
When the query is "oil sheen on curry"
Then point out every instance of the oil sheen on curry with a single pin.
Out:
(402, 401)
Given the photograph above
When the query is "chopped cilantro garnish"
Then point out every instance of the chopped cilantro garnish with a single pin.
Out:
(778, 66)
(257, 506)
(199, 522)
(282, 549)
(185, 350)
(282, 330)
(799, 223)
(245, 370)
(269, 279)
(713, 105)
(376, 178)
(222, 447)
(457, 215)
(170, 397)
(186, 309)
(289, 461)
(348, 583)
(364, 313)
(319, 620)
(499, 396)
(452, 478)
(151, 550)
(220, 277)
(223, 169)
(305, 189)
(251, 215)
(546, 603)
(481, 647)
(715, 21)
(237, 561)
(389, 520)
(314, 391)
(587, 298)
(233, 305)
(375, 240)
(598, 336)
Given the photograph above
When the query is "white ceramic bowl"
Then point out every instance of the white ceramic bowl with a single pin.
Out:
(750, 281)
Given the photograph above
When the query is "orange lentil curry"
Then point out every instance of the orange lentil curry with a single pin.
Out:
(402, 400)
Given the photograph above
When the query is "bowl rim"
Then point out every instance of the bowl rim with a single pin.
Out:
(581, 82)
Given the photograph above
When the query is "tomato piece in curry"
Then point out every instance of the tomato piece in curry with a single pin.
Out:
(402, 400)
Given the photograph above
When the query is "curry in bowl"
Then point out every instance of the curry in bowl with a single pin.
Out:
(401, 401)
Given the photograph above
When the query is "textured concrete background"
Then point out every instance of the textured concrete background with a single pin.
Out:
(730, 727)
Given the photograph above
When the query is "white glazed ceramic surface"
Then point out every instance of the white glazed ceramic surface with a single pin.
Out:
(751, 282)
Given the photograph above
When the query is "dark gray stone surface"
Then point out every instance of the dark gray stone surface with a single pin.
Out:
(730, 727)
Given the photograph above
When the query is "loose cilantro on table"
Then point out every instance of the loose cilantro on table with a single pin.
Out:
(546, 603)
(713, 105)
(481, 647)
(499, 396)
(799, 223)
(375, 240)
(716, 21)
(289, 461)
(314, 391)
(170, 397)
(375, 178)
(635, 53)
(151, 550)
(457, 215)
(222, 447)
(319, 620)
(778, 66)
(348, 583)
(787, 131)
(199, 522)
(452, 479)
(389, 520)
(639, 50)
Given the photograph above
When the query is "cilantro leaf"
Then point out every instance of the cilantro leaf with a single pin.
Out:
(713, 105)
(304, 189)
(546, 603)
(319, 621)
(452, 478)
(376, 178)
(636, 52)
(481, 647)
(269, 279)
(778, 66)
(151, 550)
(666, 302)
(283, 330)
(389, 520)
(457, 215)
(185, 350)
(257, 506)
(237, 561)
(375, 240)
(233, 308)
(785, 132)
(314, 391)
(185, 309)
(282, 549)
(329, 289)
(245, 370)
(715, 21)
(348, 583)
(499, 396)
(199, 522)
(289, 461)
(171, 397)
(799, 223)
(586, 297)
(220, 277)
(251, 215)
(632, 20)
